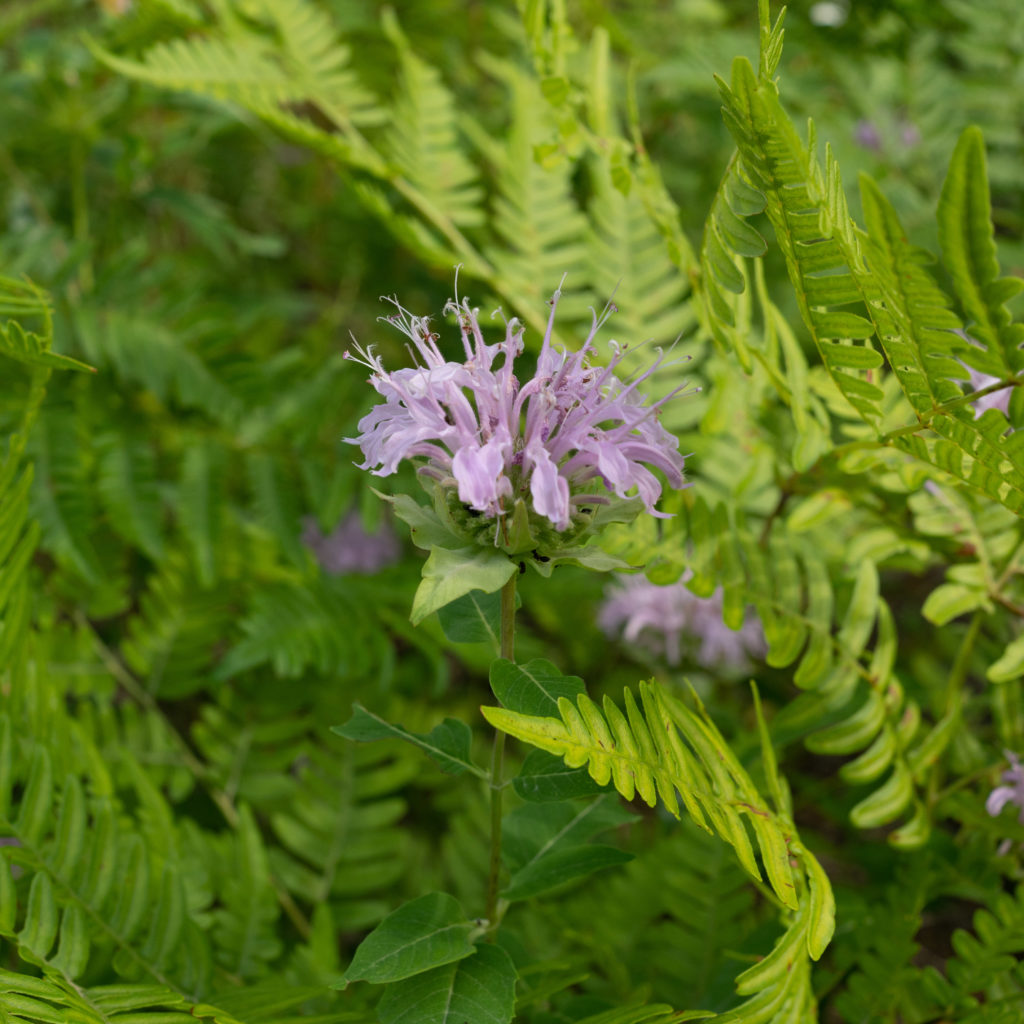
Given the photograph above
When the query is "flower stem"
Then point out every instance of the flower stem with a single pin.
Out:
(508, 635)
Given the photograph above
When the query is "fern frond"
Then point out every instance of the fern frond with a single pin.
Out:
(807, 209)
(665, 749)
(244, 923)
(969, 252)
(275, 502)
(915, 328)
(534, 215)
(129, 491)
(629, 261)
(146, 351)
(338, 834)
(61, 497)
(423, 140)
(726, 237)
(201, 505)
(55, 998)
(175, 638)
(286, 57)
(294, 628)
(71, 849)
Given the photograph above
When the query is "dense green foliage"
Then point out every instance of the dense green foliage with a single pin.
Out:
(202, 198)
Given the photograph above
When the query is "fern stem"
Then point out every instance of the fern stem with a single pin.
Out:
(508, 636)
(954, 695)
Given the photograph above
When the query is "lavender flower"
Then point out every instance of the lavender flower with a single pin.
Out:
(348, 548)
(1012, 793)
(996, 400)
(500, 443)
(659, 618)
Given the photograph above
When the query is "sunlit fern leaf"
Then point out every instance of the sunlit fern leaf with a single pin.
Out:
(643, 753)
(653, 1013)
(668, 749)
(176, 636)
(913, 315)
(71, 849)
(968, 246)
(849, 680)
(540, 227)
(62, 499)
(807, 208)
(423, 139)
(339, 837)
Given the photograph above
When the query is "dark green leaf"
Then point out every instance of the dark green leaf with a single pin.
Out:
(544, 778)
(532, 688)
(425, 933)
(561, 866)
(447, 743)
(480, 990)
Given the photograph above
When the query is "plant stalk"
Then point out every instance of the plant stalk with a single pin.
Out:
(508, 634)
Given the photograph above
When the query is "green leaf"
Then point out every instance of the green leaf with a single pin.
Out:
(448, 574)
(532, 688)
(545, 778)
(474, 618)
(40, 927)
(949, 601)
(480, 990)
(425, 933)
(447, 743)
(1011, 665)
(426, 530)
(561, 866)
(29, 348)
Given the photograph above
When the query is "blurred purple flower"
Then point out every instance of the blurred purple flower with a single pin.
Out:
(496, 439)
(348, 548)
(865, 134)
(661, 618)
(1012, 793)
(910, 134)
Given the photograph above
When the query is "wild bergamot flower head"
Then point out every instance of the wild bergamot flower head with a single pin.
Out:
(546, 448)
